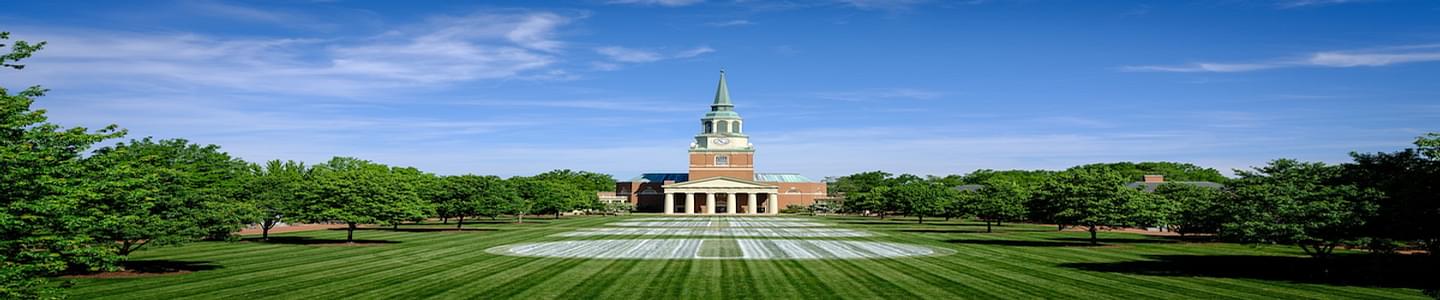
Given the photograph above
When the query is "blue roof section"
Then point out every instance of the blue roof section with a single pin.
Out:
(781, 177)
(662, 177)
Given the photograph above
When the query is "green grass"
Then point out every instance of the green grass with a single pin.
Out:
(1016, 261)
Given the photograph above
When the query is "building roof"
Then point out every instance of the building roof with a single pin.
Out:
(1151, 186)
(781, 177)
(661, 177)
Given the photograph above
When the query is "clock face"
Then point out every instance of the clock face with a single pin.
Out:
(722, 141)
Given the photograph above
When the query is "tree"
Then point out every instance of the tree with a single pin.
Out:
(1000, 200)
(274, 190)
(1409, 212)
(1093, 196)
(356, 192)
(922, 198)
(469, 195)
(1297, 203)
(42, 232)
(1188, 209)
(164, 192)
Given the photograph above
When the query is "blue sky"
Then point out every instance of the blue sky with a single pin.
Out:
(827, 87)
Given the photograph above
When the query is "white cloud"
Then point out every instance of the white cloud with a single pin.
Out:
(693, 52)
(670, 3)
(731, 23)
(630, 55)
(1312, 3)
(888, 5)
(444, 50)
(635, 55)
(1335, 59)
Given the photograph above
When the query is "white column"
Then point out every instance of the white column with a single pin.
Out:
(774, 203)
(730, 203)
(750, 203)
(709, 203)
(690, 203)
(669, 203)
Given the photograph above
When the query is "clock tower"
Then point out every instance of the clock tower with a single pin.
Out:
(722, 148)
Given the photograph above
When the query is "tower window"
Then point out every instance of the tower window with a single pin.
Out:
(722, 160)
(724, 126)
(735, 127)
(709, 127)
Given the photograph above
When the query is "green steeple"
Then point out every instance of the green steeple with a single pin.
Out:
(722, 94)
(722, 108)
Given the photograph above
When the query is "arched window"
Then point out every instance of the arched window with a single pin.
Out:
(722, 160)
(735, 127)
(709, 127)
(724, 126)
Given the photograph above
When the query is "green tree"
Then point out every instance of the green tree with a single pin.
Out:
(1188, 209)
(470, 195)
(165, 192)
(274, 189)
(1093, 196)
(42, 232)
(1297, 203)
(922, 198)
(1409, 212)
(1000, 200)
(355, 191)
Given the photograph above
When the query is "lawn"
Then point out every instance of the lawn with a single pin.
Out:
(1016, 261)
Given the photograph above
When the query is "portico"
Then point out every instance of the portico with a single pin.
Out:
(702, 196)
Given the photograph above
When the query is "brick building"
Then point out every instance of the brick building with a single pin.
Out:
(722, 177)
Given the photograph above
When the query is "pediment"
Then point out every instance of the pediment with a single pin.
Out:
(719, 182)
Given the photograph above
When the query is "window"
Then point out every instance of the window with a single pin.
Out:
(735, 127)
(724, 126)
(709, 127)
(722, 160)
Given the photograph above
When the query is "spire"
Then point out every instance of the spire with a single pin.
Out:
(722, 94)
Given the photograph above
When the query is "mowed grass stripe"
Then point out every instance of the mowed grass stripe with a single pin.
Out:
(352, 257)
(454, 265)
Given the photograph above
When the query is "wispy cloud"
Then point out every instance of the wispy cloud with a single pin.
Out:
(670, 3)
(886, 5)
(1334, 59)
(637, 55)
(731, 23)
(879, 94)
(443, 50)
(1312, 3)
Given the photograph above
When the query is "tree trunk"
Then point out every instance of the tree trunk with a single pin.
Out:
(557, 215)
(922, 220)
(987, 226)
(395, 226)
(520, 218)
(947, 218)
(459, 222)
(265, 229)
(350, 233)
(1059, 227)
(1094, 230)
(444, 220)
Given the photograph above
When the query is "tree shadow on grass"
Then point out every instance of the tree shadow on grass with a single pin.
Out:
(1115, 240)
(1395, 271)
(420, 229)
(138, 268)
(302, 240)
(1023, 243)
(942, 230)
(1059, 242)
